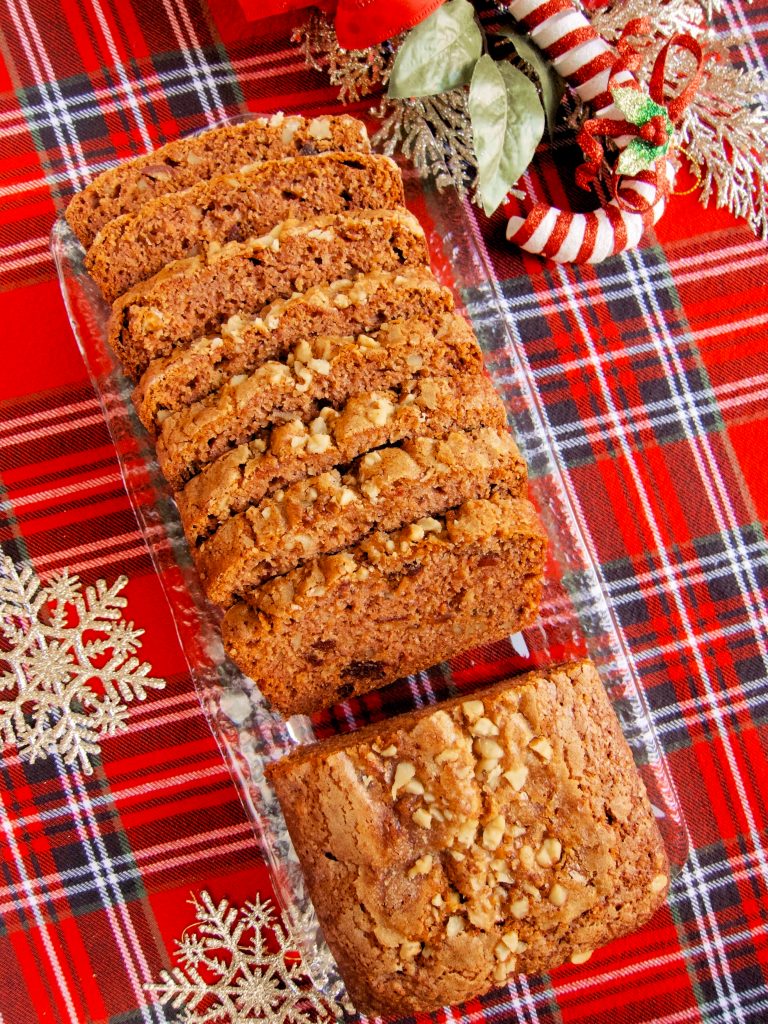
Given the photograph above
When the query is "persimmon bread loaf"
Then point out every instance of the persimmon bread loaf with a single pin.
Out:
(316, 403)
(193, 296)
(184, 162)
(343, 308)
(396, 603)
(450, 848)
(233, 207)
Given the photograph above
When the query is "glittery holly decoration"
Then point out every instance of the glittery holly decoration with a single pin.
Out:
(640, 110)
(239, 965)
(357, 73)
(433, 132)
(67, 664)
(724, 130)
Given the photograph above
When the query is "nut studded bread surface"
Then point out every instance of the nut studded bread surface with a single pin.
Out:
(384, 489)
(342, 308)
(328, 370)
(182, 163)
(290, 451)
(452, 847)
(234, 207)
(193, 296)
(397, 603)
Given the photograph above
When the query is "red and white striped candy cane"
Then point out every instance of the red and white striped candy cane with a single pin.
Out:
(587, 63)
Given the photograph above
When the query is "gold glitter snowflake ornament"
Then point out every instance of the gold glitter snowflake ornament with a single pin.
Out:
(67, 664)
(230, 974)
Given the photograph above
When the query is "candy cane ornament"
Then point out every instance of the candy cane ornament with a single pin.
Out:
(592, 68)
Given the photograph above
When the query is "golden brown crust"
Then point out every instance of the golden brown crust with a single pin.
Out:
(182, 163)
(193, 296)
(344, 307)
(397, 603)
(233, 207)
(489, 836)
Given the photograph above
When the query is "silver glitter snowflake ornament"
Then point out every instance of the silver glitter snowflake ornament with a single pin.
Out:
(68, 668)
(230, 973)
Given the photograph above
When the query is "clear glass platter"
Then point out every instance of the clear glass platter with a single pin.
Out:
(576, 618)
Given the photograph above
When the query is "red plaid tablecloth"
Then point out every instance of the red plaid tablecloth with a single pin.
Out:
(653, 372)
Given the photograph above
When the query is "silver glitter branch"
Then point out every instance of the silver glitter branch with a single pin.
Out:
(724, 131)
(433, 132)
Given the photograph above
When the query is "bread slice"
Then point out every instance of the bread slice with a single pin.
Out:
(397, 603)
(430, 406)
(182, 163)
(345, 307)
(327, 370)
(451, 848)
(384, 489)
(233, 207)
(193, 296)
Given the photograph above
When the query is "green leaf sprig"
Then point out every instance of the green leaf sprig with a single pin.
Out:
(445, 52)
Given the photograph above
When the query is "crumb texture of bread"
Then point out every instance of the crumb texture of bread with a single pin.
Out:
(234, 207)
(342, 308)
(397, 603)
(389, 487)
(194, 296)
(454, 847)
(325, 370)
(184, 162)
(287, 452)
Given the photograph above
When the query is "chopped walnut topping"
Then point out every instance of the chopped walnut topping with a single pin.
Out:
(548, 854)
(466, 831)
(519, 908)
(493, 832)
(484, 727)
(303, 352)
(404, 772)
(422, 866)
(558, 894)
(473, 709)
(422, 818)
(346, 496)
(517, 777)
(414, 787)
(316, 444)
(487, 747)
(540, 745)
(409, 950)
(447, 755)
(527, 857)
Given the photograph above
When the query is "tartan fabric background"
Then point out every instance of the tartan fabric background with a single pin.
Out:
(653, 373)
